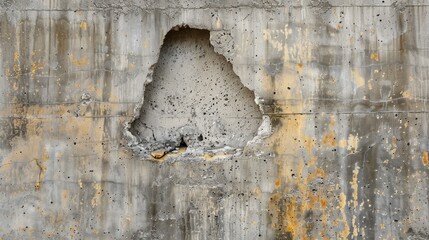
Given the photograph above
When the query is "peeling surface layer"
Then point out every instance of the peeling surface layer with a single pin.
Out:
(341, 86)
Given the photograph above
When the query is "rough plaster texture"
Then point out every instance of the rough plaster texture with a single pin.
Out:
(343, 151)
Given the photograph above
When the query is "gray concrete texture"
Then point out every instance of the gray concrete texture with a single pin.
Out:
(315, 124)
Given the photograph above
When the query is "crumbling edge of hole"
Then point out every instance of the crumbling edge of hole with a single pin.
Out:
(264, 130)
(132, 140)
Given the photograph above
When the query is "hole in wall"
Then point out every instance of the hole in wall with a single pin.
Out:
(195, 100)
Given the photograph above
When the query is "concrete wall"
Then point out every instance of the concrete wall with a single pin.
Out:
(340, 89)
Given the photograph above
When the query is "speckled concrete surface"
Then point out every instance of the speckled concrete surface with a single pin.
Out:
(340, 88)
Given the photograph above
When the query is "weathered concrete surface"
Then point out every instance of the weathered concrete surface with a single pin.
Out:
(342, 83)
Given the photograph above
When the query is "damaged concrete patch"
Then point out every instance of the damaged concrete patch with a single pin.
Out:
(194, 100)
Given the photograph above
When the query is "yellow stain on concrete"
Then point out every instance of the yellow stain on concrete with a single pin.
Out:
(83, 25)
(354, 186)
(95, 201)
(79, 62)
(393, 147)
(353, 143)
(16, 57)
(36, 66)
(375, 56)
(359, 80)
(346, 231)
(287, 211)
(407, 94)
(329, 139)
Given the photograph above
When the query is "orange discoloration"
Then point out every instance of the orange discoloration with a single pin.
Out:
(318, 173)
(407, 94)
(291, 220)
(16, 56)
(36, 66)
(375, 56)
(296, 194)
(329, 139)
(323, 203)
(425, 158)
(277, 183)
(312, 161)
(346, 231)
(83, 61)
(158, 154)
(65, 194)
(275, 210)
(309, 144)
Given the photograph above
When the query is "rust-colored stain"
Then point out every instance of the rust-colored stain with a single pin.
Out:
(375, 56)
(329, 139)
(79, 62)
(277, 183)
(425, 158)
(36, 66)
(291, 209)
(346, 230)
(297, 196)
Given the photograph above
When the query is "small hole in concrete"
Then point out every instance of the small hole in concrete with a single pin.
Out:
(183, 144)
(195, 99)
